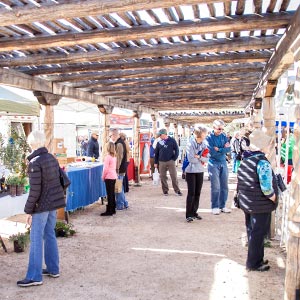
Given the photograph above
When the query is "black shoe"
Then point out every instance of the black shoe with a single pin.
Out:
(183, 176)
(265, 262)
(106, 214)
(46, 273)
(28, 282)
(178, 193)
(189, 219)
(262, 268)
(198, 217)
(166, 193)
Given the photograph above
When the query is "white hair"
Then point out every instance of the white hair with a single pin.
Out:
(218, 123)
(36, 139)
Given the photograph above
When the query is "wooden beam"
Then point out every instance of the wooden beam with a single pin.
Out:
(226, 58)
(76, 9)
(220, 45)
(23, 81)
(109, 35)
(286, 52)
(158, 72)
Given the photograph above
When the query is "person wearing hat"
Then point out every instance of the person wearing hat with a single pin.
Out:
(257, 193)
(218, 146)
(93, 145)
(166, 153)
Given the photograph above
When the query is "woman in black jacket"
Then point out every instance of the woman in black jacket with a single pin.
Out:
(45, 196)
(257, 195)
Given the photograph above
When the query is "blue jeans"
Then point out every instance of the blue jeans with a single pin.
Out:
(121, 201)
(42, 230)
(218, 173)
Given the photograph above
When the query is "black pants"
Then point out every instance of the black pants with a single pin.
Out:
(194, 184)
(125, 180)
(257, 226)
(111, 199)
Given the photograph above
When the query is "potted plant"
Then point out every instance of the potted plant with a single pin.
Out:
(20, 240)
(12, 181)
(21, 184)
(63, 229)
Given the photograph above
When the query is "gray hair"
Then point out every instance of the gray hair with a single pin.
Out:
(199, 129)
(218, 123)
(36, 139)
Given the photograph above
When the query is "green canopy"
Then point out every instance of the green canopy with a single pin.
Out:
(11, 103)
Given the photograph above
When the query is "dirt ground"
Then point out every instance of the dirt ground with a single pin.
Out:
(150, 252)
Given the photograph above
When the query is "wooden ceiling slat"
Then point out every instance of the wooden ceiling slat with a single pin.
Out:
(179, 13)
(273, 21)
(284, 5)
(238, 44)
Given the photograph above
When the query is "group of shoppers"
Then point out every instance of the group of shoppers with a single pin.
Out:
(257, 190)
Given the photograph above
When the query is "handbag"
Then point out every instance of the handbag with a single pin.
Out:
(64, 179)
(119, 186)
(280, 182)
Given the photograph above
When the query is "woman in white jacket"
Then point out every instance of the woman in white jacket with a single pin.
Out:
(197, 153)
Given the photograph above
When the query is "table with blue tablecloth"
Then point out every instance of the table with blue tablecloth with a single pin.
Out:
(86, 186)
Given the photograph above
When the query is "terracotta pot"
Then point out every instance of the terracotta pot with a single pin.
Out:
(13, 190)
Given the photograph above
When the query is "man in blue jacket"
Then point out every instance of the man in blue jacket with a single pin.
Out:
(218, 146)
(166, 153)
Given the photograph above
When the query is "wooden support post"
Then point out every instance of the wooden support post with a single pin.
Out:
(48, 100)
(136, 149)
(269, 112)
(106, 110)
(292, 274)
(154, 124)
(176, 132)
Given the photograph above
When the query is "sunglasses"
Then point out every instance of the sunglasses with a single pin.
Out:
(221, 129)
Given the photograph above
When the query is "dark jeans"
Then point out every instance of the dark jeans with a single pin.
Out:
(257, 226)
(110, 191)
(194, 184)
(125, 180)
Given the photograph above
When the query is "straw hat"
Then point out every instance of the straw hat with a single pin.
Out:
(259, 140)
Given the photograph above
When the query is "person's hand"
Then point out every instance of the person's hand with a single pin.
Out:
(28, 220)
(273, 198)
(216, 148)
(155, 165)
(227, 145)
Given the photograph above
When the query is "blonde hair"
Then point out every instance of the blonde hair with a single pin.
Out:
(36, 139)
(111, 149)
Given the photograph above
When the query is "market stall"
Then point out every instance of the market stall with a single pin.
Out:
(86, 185)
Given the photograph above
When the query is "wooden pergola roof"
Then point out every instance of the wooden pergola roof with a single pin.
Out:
(202, 55)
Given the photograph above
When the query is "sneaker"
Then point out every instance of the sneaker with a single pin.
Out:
(215, 211)
(178, 193)
(189, 219)
(225, 210)
(46, 273)
(262, 268)
(27, 282)
(166, 193)
(198, 217)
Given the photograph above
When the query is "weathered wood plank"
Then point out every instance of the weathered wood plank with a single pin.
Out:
(234, 23)
(221, 45)
(247, 57)
(72, 9)
(158, 72)
(285, 53)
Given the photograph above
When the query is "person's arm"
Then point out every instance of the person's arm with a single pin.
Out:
(105, 167)
(90, 149)
(176, 150)
(156, 155)
(35, 181)
(265, 175)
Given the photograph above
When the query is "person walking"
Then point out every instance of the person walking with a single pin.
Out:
(196, 151)
(109, 176)
(46, 195)
(166, 153)
(121, 202)
(257, 193)
(93, 146)
(218, 146)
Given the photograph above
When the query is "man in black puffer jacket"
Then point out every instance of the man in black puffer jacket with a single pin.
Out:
(257, 195)
(45, 196)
